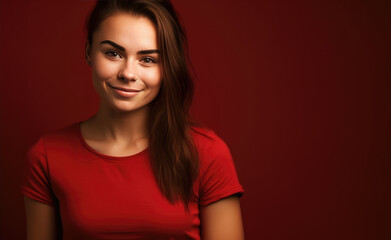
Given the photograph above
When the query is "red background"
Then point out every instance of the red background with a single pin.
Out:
(300, 91)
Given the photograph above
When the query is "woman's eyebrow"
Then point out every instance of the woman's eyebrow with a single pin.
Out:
(113, 44)
(150, 51)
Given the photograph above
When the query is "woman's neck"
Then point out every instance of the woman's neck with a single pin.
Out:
(125, 128)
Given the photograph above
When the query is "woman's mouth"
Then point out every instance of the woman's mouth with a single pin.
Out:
(124, 92)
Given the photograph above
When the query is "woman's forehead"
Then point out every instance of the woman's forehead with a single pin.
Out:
(128, 30)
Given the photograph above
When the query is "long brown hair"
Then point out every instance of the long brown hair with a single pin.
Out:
(174, 158)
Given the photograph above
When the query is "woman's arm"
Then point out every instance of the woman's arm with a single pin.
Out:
(222, 220)
(40, 220)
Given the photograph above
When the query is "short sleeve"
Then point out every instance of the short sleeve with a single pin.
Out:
(35, 180)
(218, 176)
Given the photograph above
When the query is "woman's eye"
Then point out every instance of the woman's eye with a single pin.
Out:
(148, 60)
(113, 54)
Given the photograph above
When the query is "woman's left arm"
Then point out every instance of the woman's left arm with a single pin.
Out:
(222, 220)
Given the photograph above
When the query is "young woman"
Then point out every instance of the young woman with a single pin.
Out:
(138, 169)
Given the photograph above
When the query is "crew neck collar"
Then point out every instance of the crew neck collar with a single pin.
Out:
(101, 155)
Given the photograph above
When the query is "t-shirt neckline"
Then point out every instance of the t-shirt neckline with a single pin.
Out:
(101, 155)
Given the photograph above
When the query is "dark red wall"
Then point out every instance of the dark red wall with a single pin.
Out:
(300, 91)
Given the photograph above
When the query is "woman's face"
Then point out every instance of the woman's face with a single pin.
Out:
(125, 62)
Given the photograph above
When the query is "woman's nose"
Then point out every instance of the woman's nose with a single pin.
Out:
(128, 71)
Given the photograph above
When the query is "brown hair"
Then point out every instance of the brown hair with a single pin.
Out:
(174, 157)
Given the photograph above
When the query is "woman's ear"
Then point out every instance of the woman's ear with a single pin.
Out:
(87, 53)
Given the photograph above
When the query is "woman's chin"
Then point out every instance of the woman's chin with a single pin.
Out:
(123, 107)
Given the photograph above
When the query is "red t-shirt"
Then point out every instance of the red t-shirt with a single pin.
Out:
(106, 197)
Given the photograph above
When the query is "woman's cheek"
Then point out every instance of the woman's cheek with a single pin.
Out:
(153, 78)
(104, 69)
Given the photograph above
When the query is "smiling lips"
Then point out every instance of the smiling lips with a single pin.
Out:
(125, 92)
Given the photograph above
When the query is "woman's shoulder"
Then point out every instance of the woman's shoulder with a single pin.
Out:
(208, 142)
(205, 135)
(63, 136)
(52, 144)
